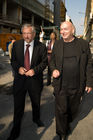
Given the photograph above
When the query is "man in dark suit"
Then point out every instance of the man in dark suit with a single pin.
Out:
(71, 67)
(29, 59)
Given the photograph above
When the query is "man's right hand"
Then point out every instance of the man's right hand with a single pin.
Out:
(22, 70)
(56, 74)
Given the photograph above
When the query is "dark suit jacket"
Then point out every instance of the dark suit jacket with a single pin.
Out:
(38, 63)
(83, 57)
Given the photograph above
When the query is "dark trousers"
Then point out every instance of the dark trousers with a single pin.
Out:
(67, 103)
(19, 104)
(49, 76)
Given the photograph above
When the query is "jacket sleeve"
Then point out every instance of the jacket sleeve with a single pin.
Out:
(14, 61)
(89, 70)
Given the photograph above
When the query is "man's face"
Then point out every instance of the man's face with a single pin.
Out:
(28, 34)
(66, 31)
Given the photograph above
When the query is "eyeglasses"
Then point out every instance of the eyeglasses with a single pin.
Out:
(27, 33)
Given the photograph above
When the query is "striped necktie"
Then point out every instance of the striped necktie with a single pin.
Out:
(27, 58)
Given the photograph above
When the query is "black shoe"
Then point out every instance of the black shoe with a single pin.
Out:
(69, 130)
(14, 134)
(62, 137)
(39, 123)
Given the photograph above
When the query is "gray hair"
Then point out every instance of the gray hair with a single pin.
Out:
(28, 25)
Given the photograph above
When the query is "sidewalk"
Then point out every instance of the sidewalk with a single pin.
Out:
(82, 127)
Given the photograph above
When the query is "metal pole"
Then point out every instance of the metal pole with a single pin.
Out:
(57, 12)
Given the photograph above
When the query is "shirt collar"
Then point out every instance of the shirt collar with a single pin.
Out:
(31, 43)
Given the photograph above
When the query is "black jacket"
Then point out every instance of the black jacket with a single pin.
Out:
(83, 57)
(38, 63)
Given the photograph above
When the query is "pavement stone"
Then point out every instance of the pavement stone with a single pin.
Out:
(81, 127)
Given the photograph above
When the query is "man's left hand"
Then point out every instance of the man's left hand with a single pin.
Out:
(88, 89)
(30, 73)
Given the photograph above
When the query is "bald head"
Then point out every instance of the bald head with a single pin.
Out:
(69, 24)
(67, 31)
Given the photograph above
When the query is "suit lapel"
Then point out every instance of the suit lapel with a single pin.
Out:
(59, 53)
(61, 49)
(34, 54)
(77, 49)
(21, 51)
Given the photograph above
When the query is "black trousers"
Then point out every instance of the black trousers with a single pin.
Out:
(66, 104)
(19, 104)
(48, 76)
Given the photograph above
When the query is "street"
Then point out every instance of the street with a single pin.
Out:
(82, 127)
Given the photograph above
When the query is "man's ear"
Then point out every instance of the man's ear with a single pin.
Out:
(73, 32)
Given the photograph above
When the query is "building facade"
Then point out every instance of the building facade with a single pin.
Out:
(88, 23)
(59, 12)
(13, 13)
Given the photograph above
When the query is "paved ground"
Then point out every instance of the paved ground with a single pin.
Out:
(82, 127)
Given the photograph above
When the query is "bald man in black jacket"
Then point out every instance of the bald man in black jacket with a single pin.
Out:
(71, 67)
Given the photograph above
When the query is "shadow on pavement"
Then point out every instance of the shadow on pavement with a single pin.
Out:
(2, 126)
(56, 137)
(5, 65)
(29, 130)
(6, 88)
(85, 108)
